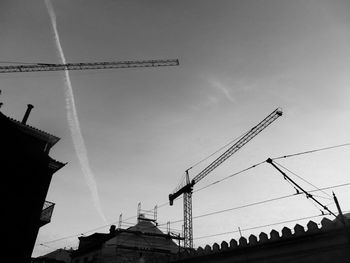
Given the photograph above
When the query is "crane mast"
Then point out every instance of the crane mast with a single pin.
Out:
(187, 189)
(86, 66)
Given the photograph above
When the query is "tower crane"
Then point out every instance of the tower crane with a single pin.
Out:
(187, 189)
(85, 66)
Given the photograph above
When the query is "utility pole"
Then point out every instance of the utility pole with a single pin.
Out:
(342, 218)
(308, 195)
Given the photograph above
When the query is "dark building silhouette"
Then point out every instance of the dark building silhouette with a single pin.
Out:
(57, 256)
(143, 242)
(326, 243)
(26, 172)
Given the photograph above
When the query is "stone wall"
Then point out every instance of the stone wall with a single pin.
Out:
(327, 243)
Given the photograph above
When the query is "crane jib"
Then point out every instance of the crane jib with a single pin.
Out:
(234, 148)
(238, 145)
(91, 65)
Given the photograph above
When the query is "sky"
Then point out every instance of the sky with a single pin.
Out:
(142, 128)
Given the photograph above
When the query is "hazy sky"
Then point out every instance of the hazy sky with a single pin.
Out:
(239, 60)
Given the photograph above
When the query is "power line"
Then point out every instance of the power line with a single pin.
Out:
(261, 202)
(223, 179)
(261, 226)
(229, 176)
(212, 213)
(257, 164)
(311, 151)
(276, 158)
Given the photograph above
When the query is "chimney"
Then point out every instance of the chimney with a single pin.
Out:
(26, 115)
(112, 229)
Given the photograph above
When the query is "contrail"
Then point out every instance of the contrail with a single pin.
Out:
(73, 120)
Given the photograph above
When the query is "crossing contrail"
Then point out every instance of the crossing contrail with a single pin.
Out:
(73, 120)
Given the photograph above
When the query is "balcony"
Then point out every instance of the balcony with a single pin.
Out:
(46, 213)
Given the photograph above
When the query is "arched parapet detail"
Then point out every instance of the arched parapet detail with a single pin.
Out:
(312, 227)
(274, 235)
(200, 251)
(193, 252)
(176, 256)
(286, 232)
(263, 237)
(233, 243)
(207, 249)
(224, 245)
(337, 222)
(299, 230)
(243, 242)
(216, 247)
(327, 224)
(182, 255)
(253, 240)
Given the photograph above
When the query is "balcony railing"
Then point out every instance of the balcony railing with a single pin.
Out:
(46, 213)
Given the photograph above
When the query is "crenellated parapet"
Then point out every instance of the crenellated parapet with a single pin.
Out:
(287, 235)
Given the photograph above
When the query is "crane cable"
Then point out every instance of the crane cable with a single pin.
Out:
(182, 180)
(221, 148)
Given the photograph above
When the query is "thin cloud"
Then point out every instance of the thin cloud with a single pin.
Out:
(222, 88)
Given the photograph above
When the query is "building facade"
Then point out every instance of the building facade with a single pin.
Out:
(328, 243)
(27, 170)
(143, 242)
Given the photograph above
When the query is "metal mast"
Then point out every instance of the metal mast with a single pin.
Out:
(187, 189)
(86, 66)
(188, 232)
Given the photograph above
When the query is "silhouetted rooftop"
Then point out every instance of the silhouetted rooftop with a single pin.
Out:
(42, 135)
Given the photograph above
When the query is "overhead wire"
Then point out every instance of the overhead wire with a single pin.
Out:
(211, 184)
(309, 197)
(258, 203)
(225, 178)
(261, 226)
(229, 176)
(311, 151)
(301, 178)
(261, 202)
(276, 158)
(212, 213)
